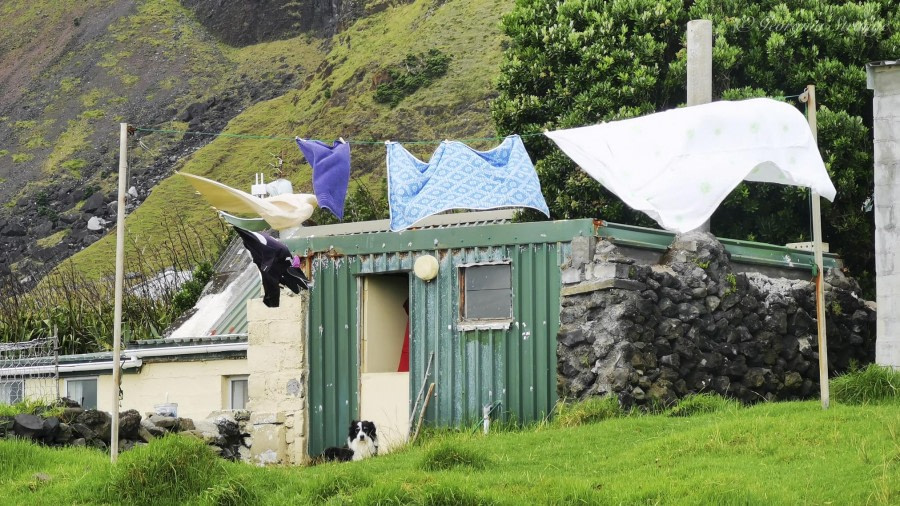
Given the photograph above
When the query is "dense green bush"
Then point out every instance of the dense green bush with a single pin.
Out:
(415, 72)
(579, 62)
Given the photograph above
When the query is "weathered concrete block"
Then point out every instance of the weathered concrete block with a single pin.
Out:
(571, 276)
(267, 418)
(886, 105)
(886, 129)
(290, 308)
(287, 333)
(582, 248)
(886, 81)
(269, 445)
(611, 271)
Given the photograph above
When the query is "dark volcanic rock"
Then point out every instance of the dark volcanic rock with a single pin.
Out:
(699, 327)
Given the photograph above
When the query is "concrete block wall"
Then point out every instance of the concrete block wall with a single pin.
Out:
(885, 80)
(276, 359)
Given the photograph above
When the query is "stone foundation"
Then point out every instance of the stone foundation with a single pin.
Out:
(653, 334)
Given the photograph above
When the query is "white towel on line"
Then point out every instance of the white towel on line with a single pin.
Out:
(677, 166)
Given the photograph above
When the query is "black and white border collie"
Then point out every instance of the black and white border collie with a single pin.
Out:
(362, 443)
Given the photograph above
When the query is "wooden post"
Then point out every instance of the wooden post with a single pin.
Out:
(699, 69)
(120, 277)
(809, 97)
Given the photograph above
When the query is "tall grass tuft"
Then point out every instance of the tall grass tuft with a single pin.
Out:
(698, 404)
(337, 485)
(445, 494)
(446, 455)
(873, 385)
(591, 410)
(173, 470)
(30, 407)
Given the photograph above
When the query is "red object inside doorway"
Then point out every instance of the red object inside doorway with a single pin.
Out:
(404, 352)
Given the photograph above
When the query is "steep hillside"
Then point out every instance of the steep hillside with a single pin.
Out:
(164, 66)
(337, 100)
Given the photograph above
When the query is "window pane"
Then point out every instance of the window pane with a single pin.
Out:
(489, 304)
(488, 292)
(239, 395)
(11, 392)
(83, 392)
(488, 277)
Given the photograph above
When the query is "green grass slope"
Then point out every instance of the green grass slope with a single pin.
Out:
(784, 453)
(335, 100)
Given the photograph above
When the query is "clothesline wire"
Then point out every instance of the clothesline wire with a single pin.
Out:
(282, 138)
(373, 142)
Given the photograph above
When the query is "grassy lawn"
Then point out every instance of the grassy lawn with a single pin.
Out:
(774, 453)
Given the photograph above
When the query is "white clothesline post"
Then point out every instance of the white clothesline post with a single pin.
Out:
(809, 97)
(120, 276)
(699, 69)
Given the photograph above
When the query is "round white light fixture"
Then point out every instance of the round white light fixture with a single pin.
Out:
(426, 267)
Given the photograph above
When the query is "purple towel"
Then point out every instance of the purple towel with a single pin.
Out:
(331, 172)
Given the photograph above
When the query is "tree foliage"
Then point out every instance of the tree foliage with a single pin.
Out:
(578, 62)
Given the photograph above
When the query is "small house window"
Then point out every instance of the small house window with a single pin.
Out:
(83, 391)
(238, 392)
(12, 391)
(486, 292)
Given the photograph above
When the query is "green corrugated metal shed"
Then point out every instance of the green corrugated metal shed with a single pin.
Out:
(515, 366)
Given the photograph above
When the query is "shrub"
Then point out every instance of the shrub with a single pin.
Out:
(874, 384)
(592, 410)
(698, 404)
(190, 291)
(415, 72)
(448, 456)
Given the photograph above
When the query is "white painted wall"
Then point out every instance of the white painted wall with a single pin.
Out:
(885, 80)
(199, 387)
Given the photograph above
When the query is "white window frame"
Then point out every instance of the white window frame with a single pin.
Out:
(465, 323)
(96, 380)
(20, 383)
(231, 381)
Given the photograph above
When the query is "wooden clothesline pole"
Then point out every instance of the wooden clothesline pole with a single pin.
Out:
(809, 97)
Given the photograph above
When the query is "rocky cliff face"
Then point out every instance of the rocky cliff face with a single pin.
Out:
(77, 70)
(652, 334)
(242, 22)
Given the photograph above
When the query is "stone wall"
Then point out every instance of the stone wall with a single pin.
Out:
(224, 431)
(276, 358)
(653, 333)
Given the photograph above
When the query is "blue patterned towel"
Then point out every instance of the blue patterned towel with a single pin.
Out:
(458, 177)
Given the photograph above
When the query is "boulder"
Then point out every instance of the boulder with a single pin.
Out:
(129, 423)
(165, 422)
(27, 426)
(152, 428)
(98, 421)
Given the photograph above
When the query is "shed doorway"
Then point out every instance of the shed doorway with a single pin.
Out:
(384, 357)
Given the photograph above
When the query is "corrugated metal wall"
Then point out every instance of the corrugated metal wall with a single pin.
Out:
(332, 351)
(516, 366)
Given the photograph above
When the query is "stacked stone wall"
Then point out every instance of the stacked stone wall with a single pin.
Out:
(653, 334)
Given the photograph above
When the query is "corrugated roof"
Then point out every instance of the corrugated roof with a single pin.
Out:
(192, 341)
(493, 228)
(470, 219)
